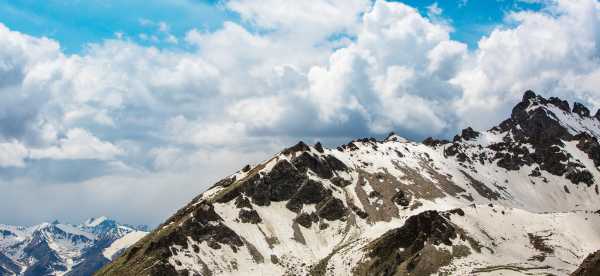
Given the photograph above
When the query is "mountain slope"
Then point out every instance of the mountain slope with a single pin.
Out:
(519, 198)
(61, 249)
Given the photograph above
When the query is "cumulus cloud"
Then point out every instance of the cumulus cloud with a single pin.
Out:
(78, 144)
(544, 51)
(151, 119)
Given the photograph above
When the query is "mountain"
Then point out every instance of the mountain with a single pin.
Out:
(521, 198)
(63, 249)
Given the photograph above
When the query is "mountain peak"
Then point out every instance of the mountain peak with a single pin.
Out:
(63, 249)
(581, 110)
(93, 222)
(395, 206)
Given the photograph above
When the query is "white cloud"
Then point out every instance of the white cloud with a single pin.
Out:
(314, 20)
(544, 51)
(329, 69)
(393, 75)
(78, 144)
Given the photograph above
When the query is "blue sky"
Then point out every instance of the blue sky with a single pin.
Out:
(129, 109)
(75, 23)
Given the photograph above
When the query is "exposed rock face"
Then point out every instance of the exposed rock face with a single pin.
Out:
(581, 110)
(400, 247)
(590, 266)
(396, 207)
(331, 209)
(466, 135)
(249, 216)
(311, 192)
(429, 141)
(534, 122)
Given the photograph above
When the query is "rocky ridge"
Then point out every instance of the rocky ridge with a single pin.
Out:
(518, 198)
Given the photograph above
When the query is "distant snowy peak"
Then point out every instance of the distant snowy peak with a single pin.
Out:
(92, 222)
(62, 249)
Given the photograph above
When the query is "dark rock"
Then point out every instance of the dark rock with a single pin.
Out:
(529, 95)
(429, 141)
(457, 211)
(340, 182)
(580, 109)
(323, 225)
(246, 168)
(306, 220)
(580, 176)
(319, 147)
(360, 213)
(205, 226)
(535, 173)
(374, 194)
(590, 266)
(428, 227)
(284, 180)
(307, 161)
(331, 209)
(274, 259)
(402, 198)
(466, 135)
(278, 185)
(225, 182)
(561, 104)
(539, 128)
(335, 163)
(350, 146)
(566, 189)
(243, 202)
(301, 146)
(258, 189)
(249, 216)
(590, 146)
(391, 137)
(597, 116)
(311, 192)
(452, 150)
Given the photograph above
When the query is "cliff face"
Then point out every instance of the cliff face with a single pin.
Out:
(519, 197)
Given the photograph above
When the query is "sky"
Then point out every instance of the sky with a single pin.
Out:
(129, 110)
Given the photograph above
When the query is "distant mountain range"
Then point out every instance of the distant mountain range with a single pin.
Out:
(519, 199)
(64, 249)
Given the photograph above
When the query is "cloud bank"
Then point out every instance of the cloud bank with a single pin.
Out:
(135, 131)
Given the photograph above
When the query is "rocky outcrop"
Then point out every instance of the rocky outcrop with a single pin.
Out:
(532, 124)
(403, 250)
(581, 110)
(590, 266)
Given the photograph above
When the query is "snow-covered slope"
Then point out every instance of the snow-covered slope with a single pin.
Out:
(61, 249)
(521, 198)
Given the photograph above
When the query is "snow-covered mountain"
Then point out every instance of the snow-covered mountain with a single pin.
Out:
(63, 249)
(520, 198)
